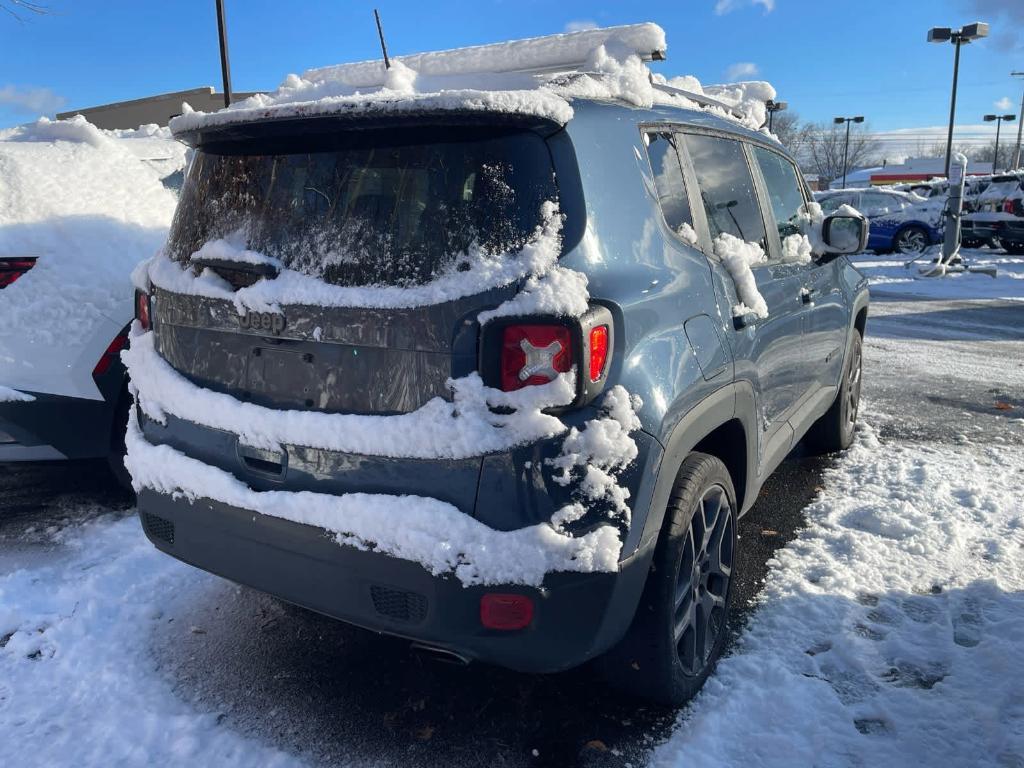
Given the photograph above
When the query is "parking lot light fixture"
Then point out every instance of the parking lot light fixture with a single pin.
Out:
(846, 144)
(1020, 124)
(773, 107)
(957, 37)
(998, 119)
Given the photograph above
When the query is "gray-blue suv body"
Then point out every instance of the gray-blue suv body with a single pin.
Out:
(725, 396)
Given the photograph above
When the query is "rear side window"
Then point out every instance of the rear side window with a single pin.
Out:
(668, 179)
(784, 190)
(395, 207)
(726, 188)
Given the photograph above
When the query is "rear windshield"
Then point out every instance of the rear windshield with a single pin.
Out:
(374, 208)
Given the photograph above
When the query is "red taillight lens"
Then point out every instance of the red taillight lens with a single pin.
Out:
(598, 351)
(12, 269)
(142, 309)
(1007, 206)
(534, 354)
(507, 612)
(108, 358)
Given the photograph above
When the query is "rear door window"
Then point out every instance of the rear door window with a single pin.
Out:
(726, 188)
(785, 192)
(668, 181)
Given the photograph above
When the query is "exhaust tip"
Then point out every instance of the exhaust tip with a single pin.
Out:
(442, 655)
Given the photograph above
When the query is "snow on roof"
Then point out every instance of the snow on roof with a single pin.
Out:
(537, 77)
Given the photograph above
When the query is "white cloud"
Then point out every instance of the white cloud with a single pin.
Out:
(1003, 104)
(34, 101)
(723, 7)
(741, 70)
(580, 24)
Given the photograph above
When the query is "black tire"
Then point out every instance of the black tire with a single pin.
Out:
(656, 660)
(1015, 249)
(119, 426)
(911, 240)
(834, 431)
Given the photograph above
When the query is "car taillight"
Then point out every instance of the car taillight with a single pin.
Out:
(534, 354)
(142, 313)
(506, 612)
(1007, 206)
(598, 351)
(13, 268)
(110, 355)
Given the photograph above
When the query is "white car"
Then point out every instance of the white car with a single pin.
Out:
(79, 207)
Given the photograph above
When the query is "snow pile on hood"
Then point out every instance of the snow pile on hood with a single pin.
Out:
(83, 202)
(537, 77)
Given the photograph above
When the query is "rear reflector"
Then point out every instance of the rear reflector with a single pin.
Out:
(507, 612)
(108, 358)
(534, 354)
(598, 351)
(142, 310)
(13, 268)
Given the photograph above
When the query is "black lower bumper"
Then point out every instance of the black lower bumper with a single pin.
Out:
(75, 428)
(577, 616)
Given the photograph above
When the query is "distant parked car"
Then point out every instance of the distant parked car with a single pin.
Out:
(899, 221)
(79, 207)
(997, 217)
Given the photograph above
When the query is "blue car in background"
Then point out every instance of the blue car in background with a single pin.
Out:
(899, 222)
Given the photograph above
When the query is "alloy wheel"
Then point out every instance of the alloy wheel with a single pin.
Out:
(702, 586)
(911, 241)
(853, 382)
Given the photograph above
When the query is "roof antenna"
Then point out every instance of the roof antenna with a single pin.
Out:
(383, 45)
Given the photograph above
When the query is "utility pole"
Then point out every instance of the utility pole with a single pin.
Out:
(846, 144)
(958, 37)
(1016, 155)
(225, 67)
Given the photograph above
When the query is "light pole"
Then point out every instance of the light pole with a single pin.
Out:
(1016, 155)
(846, 144)
(999, 124)
(225, 66)
(773, 107)
(966, 34)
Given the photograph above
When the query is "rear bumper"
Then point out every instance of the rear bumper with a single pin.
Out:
(1004, 230)
(55, 427)
(577, 615)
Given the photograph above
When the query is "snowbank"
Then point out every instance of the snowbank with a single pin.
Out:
(8, 395)
(889, 630)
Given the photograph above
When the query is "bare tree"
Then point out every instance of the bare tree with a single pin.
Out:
(825, 145)
(18, 8)
(791, 133)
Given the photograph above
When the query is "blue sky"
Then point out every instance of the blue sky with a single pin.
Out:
(825, 58)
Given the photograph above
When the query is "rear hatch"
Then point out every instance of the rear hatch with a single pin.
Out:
(352, 206)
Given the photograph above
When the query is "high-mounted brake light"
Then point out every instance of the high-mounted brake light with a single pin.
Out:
(504, 611)
(13, 268)
(142, 313)
(598, 351)
(534, 354)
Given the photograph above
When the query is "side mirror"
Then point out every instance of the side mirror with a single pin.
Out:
(845, 234)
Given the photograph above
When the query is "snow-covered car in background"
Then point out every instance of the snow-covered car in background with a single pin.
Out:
(79, 207)
(997, 217)
(899, 221)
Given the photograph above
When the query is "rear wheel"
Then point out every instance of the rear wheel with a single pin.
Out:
(1017, 249)
(834, 431)
(679, 629)
(911, 240)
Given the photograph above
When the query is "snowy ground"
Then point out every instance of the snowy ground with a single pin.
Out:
(888, 632)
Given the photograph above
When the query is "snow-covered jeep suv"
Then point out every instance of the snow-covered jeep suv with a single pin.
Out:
(495, 369)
